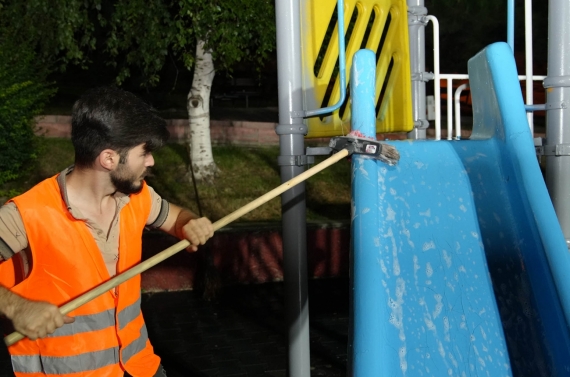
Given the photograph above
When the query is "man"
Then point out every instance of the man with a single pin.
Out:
(79, 228)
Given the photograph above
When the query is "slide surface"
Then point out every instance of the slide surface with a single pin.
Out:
(458, 264)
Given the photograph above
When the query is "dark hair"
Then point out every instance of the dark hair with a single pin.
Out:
(109, 117)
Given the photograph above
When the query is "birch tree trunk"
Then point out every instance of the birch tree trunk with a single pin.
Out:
(199, 141)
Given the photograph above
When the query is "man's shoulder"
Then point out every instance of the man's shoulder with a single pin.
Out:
(13, 237)
(9, 210)
(45, 191)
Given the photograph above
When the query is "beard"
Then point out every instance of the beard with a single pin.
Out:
(125, 182)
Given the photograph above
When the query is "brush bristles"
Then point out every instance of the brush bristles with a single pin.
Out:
(389, 154)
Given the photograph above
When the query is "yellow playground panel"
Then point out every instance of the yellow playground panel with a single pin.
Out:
(378, 25)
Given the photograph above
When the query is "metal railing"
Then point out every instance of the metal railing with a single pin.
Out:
(456, 104)
(530, 107)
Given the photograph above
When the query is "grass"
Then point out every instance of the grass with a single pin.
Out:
(245, 174)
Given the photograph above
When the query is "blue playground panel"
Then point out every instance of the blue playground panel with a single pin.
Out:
(458, 265)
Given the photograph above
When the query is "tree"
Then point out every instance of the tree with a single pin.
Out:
(24, 91)
(139, 35)
(61, 31)
(204, 34)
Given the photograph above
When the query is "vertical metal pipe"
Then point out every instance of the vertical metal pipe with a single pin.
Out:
(557, 84)
(416, 27)
(436, 76)
(458, 110)
(528, 61)
(291, 131)
(511, 24)
(449, 109)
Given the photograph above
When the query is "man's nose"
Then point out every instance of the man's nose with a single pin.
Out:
(149, 160)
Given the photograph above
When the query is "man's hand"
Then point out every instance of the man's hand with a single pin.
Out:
(184, 224)
(197, 232)
(34, 319)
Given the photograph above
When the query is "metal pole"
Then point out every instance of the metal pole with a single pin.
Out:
(528, 62)
(557, 83)
(291, 131)
(416, 27)
(511, 24)
(436, 77)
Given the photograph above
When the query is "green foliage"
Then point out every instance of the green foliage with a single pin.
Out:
(61, 31)
(23, 93)
(145, 33)
(141, 36)
(234, 30)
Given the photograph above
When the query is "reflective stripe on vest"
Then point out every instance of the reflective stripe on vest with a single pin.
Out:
(81, 363)
(99, 321)
(86, 323)
(68, 364)
(90, 360)
(136, 346)
(129, 314)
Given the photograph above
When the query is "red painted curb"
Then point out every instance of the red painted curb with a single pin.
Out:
(244, 255)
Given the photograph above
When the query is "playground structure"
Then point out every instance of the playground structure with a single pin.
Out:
(456, 271)
(459, 254)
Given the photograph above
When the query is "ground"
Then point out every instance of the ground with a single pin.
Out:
(242, 332)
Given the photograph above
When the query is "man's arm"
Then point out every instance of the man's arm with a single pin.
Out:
(184, 224)
(34, 319)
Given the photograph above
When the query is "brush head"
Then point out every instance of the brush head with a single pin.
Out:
(389, 155)
(366, 147)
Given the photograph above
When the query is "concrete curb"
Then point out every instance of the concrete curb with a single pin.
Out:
(223, 132)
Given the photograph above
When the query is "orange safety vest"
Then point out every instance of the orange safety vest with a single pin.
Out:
(109, 335)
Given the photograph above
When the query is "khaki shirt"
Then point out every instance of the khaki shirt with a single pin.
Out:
(12, 229)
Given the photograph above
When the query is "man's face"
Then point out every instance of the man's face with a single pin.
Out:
(129, 175)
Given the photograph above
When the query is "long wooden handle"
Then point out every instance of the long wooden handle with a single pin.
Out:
(167, 253)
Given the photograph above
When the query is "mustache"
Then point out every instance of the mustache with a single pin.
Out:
(147, 173)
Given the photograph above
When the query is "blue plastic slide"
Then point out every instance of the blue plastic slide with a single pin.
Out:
(458, 264)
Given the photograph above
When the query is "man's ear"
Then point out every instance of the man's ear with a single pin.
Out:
(108, 159)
